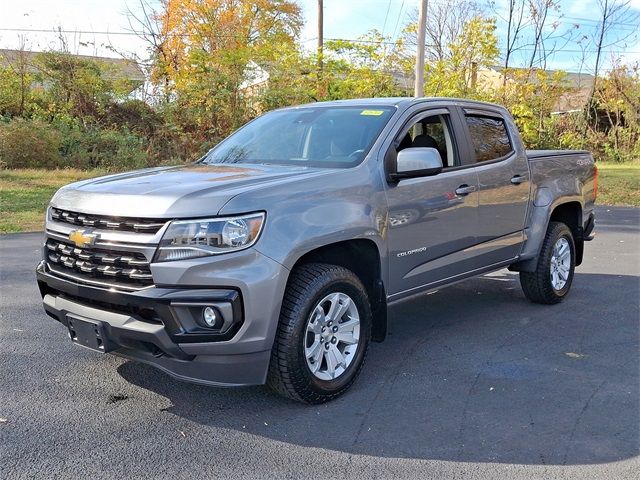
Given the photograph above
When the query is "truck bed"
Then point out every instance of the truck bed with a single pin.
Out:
(554, 153)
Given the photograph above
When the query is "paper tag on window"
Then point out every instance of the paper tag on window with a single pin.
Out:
(374, 113)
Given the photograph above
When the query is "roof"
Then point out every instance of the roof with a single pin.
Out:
(573, 79)
(392, 102)
(403, 80)
(118, 68)
(357, 102)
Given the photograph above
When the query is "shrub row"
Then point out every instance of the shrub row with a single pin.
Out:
(37, 144)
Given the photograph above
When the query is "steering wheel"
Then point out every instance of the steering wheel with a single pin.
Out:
(356, 152)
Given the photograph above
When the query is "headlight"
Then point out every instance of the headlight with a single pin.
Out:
(186, 239)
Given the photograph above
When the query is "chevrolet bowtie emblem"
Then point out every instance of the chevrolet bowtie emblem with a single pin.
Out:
(83, 238)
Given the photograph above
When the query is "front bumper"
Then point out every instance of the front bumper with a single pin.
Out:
(149, 325)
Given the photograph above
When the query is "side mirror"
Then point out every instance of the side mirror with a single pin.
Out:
(417, 162)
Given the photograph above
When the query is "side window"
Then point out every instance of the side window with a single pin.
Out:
(489, 137)
(432, 131)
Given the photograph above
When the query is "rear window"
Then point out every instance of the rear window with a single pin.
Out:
(489, 137)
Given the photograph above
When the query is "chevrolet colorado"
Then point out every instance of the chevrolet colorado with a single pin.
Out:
(274, 257)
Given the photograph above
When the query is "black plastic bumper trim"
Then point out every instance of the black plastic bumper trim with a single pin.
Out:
(155, 301)
(587, 233)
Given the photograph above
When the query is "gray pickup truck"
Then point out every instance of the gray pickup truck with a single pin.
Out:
(273, 259)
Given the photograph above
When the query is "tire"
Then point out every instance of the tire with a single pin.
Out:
(540, 286)
(306, 308)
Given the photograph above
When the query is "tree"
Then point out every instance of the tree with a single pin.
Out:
(539, 12)
(611, 12)
(75, 86)
(475, 48)
(15, 82)
(531, 96)
(147, 24)
(446, 21)
(11, 98)
(201, 50)
(618, 98)
(362, 68)
(516, 23)
(292, 79)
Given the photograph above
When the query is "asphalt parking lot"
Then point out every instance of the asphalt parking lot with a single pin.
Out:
(472, 382)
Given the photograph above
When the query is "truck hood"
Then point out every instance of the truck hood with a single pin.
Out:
(174, 192)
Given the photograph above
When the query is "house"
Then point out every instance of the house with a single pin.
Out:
(578, 86)
(256, 80)
(113, 68)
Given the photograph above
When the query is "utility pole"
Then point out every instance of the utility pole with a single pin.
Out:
(422, 28)
(320, 34)
(321, 90)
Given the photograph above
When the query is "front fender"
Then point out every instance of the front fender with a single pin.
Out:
(346, 204)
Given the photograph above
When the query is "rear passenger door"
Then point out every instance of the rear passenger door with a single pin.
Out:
(503, 180)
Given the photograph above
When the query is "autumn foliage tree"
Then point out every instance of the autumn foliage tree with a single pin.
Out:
(203, 51)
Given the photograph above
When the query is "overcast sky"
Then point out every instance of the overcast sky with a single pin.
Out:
(343, 19)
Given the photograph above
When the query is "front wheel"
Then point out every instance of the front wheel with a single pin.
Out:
(551, 280)
(323, 334)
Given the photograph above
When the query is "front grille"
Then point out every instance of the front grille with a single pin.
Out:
(126, 224)
(129, 269)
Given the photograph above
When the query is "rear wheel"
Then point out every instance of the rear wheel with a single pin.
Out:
(551, 281)
(323, 334)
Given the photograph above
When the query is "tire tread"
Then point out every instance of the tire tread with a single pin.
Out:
(536, 285)
(284, 376)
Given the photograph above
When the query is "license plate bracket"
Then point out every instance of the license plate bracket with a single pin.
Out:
(87, 333)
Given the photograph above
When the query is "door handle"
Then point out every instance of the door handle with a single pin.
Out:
(518, 179)
(465, 189)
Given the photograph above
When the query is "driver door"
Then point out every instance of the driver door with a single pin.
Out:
(432, 219)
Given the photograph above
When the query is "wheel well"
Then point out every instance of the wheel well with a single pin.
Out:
(571, 215)
(362, 258)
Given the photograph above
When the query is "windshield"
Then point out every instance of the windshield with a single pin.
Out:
(310, 137)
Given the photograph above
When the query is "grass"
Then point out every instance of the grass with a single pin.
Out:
(24, 194)
(619, 184)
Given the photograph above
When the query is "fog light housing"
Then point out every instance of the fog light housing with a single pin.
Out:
(198, 319)
(209, 316)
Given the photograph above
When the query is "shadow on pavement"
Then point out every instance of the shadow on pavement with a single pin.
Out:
(471, 373)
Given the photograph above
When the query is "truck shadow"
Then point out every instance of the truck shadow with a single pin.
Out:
(471, 373)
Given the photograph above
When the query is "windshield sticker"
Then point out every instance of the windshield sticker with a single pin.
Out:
(375, 113)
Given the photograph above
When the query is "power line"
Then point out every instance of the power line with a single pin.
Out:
(395, 29)
(352, 40)
(98, 32)
(384, 25)
(604, 50)
(42, 30)
(589, 20)
(357, 40)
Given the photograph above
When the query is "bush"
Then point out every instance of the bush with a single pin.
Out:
(111, 149)
(30, 144)
(35, 144)
(115, 150)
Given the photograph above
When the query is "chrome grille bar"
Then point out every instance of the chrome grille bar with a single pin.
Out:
(130, 269)
(142, 225)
